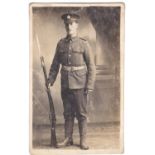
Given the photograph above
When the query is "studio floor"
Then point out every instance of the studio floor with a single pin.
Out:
(100, 136)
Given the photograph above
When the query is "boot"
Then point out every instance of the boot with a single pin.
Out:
(66, 142)
(83, 144)
(83, 131)
(69, 124)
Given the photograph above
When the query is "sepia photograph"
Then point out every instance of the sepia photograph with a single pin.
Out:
(76, 78)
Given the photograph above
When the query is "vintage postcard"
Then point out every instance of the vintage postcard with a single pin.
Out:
(76, 78)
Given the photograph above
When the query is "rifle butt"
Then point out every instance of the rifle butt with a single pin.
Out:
(53, 138)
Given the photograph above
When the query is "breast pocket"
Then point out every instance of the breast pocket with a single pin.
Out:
(77, 50)
(77, 57)
(63, 56)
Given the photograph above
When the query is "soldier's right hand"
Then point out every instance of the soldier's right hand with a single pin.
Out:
(49, 85)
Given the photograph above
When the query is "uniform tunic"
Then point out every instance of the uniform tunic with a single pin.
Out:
(73, 52)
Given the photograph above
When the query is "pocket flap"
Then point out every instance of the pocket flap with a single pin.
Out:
(81, 72)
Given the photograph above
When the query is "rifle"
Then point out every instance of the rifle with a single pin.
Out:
(52, 116)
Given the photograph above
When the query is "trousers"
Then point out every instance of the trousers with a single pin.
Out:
(74, 103)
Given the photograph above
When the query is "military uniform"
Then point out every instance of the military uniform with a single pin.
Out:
(77, 74)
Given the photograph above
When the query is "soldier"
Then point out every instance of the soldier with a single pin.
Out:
(77, 78)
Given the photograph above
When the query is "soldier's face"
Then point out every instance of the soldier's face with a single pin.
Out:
(71, 28)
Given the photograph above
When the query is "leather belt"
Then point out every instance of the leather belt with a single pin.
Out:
(72, 68)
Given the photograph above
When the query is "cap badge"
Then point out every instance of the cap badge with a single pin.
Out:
(68, 17)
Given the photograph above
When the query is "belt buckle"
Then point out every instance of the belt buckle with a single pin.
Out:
(71, 69)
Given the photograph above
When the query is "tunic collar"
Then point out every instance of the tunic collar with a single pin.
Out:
(68, 38)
